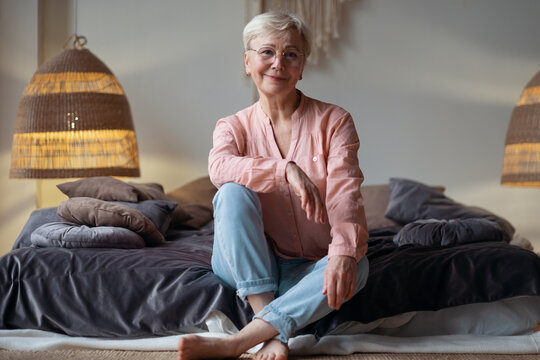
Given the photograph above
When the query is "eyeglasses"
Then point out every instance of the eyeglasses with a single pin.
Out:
(291, 57)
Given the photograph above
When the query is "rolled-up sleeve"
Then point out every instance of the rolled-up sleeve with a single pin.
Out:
(344, 203)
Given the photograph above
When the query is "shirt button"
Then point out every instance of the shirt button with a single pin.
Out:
(289, 214)
(314, 159)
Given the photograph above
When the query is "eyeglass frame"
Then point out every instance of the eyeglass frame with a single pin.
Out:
(282, 53)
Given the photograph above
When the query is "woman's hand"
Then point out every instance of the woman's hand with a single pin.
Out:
(308, 193)
(339, 280)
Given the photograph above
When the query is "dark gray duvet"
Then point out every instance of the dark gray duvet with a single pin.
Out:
(108, 292)
(157, 290)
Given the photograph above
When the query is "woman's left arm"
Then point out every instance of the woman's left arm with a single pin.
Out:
(346, 215)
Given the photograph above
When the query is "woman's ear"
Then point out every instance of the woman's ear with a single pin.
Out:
(246, 64)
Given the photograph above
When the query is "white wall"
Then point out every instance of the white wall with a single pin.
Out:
(18, 61)
(180, 63)
(431, 85)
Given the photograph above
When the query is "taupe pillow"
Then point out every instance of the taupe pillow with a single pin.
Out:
(376, 198)
(195, 199)
(199, 216)
(200, 191)
(149, 191)
(111, 189)
(95, 212)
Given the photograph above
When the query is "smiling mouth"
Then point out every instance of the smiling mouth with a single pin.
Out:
(274, 77)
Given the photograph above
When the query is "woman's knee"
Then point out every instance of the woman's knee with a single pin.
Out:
(233, 198)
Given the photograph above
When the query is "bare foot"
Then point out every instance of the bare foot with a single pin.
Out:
(193, 347)
(273, 350)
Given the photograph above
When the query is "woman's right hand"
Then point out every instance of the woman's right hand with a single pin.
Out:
(308, 193)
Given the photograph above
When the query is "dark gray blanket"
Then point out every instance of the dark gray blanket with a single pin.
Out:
(156, 290)
(114, 292)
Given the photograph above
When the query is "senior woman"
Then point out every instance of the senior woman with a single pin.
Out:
(290, 229)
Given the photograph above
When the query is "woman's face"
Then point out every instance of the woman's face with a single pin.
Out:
(275, 75)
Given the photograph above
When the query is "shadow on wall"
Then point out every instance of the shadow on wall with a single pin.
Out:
(18, 200)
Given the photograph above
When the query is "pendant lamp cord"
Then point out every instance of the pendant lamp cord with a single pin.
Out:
(75, 14)
(79, 41)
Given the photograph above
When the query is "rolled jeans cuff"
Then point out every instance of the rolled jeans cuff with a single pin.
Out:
(251, 287)
(282, 323)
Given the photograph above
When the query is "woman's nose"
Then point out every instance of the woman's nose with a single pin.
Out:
(278, 61)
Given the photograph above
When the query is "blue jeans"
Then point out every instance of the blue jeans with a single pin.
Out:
(243, 259)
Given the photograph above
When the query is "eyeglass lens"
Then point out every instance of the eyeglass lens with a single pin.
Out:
(290, 57)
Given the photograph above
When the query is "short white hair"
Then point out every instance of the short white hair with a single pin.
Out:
(276, 22)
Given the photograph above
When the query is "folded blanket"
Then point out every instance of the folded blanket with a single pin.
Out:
(434, 232)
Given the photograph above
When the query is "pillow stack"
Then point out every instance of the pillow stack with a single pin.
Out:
(430, 218)
(106, 212)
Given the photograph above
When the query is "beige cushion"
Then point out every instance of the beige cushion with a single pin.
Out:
(200, 191)
(376, 198)
(195, 199)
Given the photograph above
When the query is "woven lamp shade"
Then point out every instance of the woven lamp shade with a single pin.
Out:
(73, 121)
(521, 166)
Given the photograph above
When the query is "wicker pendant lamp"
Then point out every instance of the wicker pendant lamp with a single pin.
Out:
(521, 166)
(73, 121)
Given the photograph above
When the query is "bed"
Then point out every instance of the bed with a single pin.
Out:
(441, 274)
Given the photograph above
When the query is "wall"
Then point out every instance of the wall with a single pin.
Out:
(431, 85)
(181, 66)
(18, 61)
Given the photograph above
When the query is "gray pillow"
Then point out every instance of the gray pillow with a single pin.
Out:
(59, 234)
(411, 200)
(37, 218)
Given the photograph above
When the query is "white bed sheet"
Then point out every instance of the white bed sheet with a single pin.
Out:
(513, 316)
(37, 340)
(503, 327)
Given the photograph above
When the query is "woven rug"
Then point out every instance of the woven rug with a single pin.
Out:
(172, 355)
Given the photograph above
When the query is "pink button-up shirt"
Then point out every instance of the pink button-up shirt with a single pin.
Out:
(324, 144)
